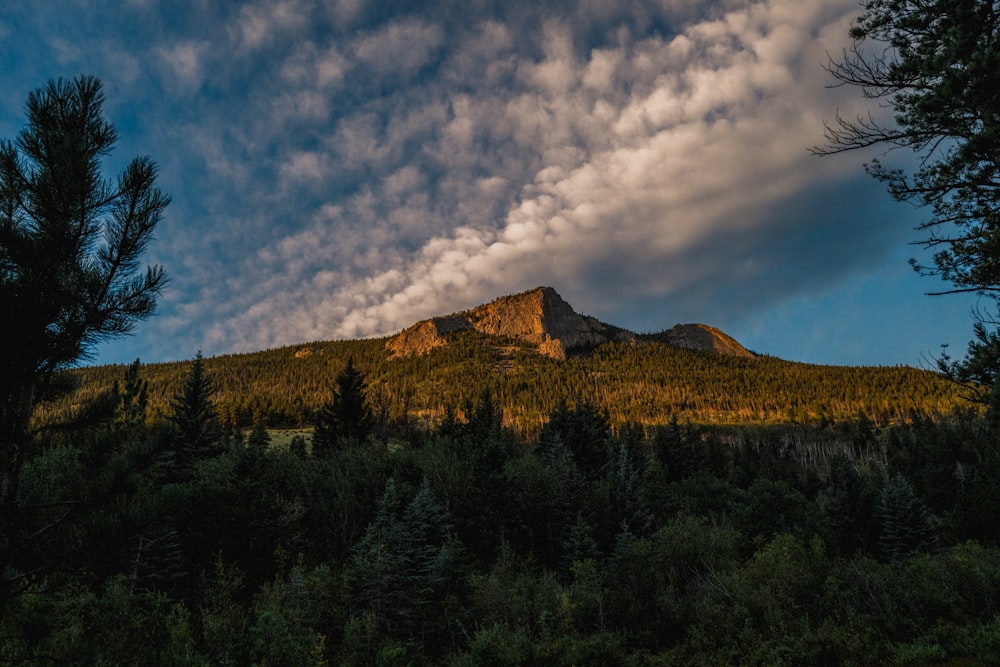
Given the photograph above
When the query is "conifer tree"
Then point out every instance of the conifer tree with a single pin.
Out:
(850, 503)
(259, 438)
(586, 432)
(193, 416)
(400, 568)
(636, 518)
(936, 65)
(70, 249)
(485, 417)
(347, 416)
(906, 526)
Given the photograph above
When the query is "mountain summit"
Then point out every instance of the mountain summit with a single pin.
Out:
(542, 318)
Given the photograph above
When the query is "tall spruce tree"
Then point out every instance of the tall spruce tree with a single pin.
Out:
(70, 248)
(197, 432)
(347, 416)
(906, 526)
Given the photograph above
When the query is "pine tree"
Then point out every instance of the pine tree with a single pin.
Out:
(635, 516)
(906, 526)
(400, 568)
(586, 432)
(259, 438)
(485, 417)
(197, 432)
(346, 417)
(70, 248)
(579, 543)
(850, 503)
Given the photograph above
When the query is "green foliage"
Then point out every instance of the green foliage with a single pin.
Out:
(906, 526)
(132, 400)
(401, 567)
(850, 504)
(193, 417)
(585, 431)
(467, 542)
(259, 437)
(346, 417)
(648, 385)
(70, 245)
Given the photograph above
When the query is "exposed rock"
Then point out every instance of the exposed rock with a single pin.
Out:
(541, 317)
(424, 336)
(705, 338)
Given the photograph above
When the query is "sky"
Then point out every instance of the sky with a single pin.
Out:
(344, 168)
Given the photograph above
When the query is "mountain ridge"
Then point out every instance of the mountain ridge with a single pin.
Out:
(542, 318)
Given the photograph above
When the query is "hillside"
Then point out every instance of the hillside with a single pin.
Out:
(647, 383)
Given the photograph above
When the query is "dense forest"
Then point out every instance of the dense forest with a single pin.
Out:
(166, 537)
(646, 383)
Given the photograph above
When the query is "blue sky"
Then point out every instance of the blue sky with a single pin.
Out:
(342, 169)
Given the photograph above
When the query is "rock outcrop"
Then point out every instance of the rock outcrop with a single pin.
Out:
(540, 317)
(705, 338)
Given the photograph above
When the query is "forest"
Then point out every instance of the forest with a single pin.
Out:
(169, 537)
(645, 383)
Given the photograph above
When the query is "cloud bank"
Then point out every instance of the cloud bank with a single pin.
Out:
(344, 169)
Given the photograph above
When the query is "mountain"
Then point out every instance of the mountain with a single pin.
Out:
(517, 346)
(543, 319)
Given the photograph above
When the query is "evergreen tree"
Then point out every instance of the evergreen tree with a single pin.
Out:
(936, 64)
(346, 416)
(579, 543)
(70, 245)
(585, 431)
(400, 568)
(677, 450)
(259, 438)
(633, 512)
(851, 503)
(906, 526)
(485, 417)
(197, 432)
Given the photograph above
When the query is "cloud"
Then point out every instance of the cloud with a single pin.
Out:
(185, 62)
(259, 23)
(666, 150)
(343, 169)
(400, 48)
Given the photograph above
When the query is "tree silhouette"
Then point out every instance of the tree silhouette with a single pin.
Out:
(193, 416)
(346, 416)
(70, 245)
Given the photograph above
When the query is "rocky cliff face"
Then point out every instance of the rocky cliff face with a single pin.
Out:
(541, 317)
(705, 338)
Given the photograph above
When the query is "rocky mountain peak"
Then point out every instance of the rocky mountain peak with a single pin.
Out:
(705, 338)
(541, 317)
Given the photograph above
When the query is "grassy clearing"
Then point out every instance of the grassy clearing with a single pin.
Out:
(282, 437)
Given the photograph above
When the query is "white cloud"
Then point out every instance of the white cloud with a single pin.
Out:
(501, 167)
(710, 145)
(402, 47)
(259, 23)
(184, 62)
